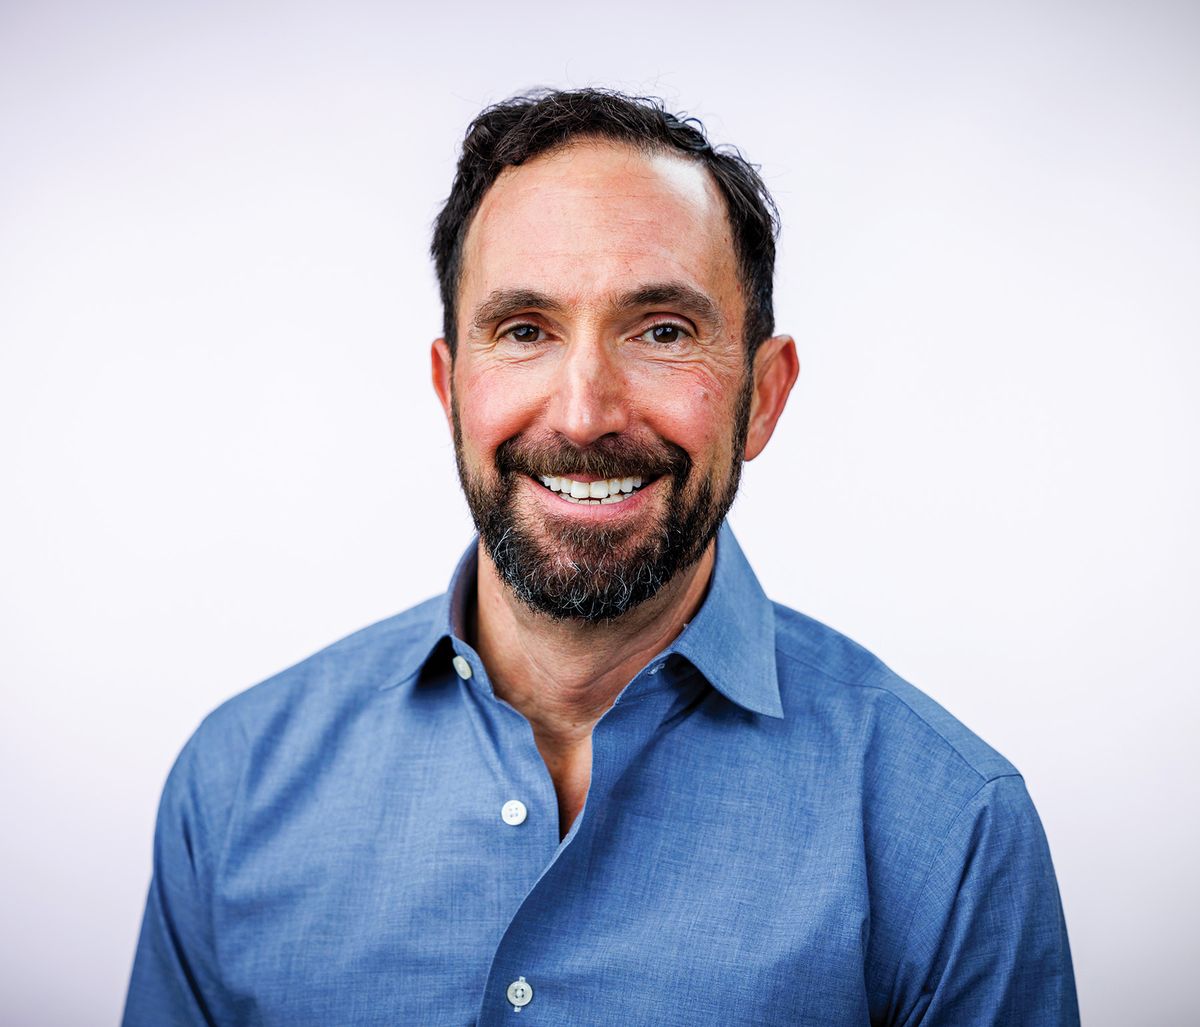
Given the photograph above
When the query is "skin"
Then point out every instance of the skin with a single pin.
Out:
(586, 226)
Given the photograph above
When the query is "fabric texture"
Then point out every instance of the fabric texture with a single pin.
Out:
(779, 830)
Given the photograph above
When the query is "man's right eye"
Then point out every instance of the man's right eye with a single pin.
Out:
(523, 333)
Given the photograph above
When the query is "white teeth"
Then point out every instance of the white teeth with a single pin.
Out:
(613, 490)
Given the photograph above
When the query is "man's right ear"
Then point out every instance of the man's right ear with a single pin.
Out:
(443, 372)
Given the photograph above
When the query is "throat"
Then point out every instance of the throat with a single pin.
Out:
(570, 769)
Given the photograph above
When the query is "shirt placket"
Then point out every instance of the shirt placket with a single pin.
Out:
(522, 809)
(521, 986)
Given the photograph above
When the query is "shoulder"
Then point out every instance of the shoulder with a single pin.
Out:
(349, 667)
(953, 854)
(909, 749)
(930, 797)
(302, 701)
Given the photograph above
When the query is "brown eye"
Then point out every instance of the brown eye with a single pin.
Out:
(665, 333)
(523, 333)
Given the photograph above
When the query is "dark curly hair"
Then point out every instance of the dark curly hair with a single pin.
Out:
(520, 128)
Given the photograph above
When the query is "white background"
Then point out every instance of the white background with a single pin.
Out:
(219, 450)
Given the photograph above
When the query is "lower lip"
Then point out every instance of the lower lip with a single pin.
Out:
(593, 511)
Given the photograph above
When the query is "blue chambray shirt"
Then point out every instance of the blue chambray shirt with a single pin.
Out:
(779, 830)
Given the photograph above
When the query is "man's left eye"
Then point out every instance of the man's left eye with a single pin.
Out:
(665, 333)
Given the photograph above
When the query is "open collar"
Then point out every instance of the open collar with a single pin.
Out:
(731, 640)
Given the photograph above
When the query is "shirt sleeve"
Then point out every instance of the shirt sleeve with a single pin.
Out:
(988, 941)
(175, 980)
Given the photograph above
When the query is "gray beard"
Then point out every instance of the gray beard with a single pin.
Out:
(583, 578)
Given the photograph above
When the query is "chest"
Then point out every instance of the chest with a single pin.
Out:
(570, 769)
(410, 898)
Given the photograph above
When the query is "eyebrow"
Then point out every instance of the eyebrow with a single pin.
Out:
(503, 303)
(677, 295)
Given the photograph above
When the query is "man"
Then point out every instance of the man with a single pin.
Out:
(603, 779)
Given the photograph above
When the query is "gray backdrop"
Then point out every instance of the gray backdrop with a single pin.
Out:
(219, 450)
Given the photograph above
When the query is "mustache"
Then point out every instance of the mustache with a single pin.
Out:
(611, 456)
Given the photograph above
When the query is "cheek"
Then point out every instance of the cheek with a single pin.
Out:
(491, 410)
(694, 412)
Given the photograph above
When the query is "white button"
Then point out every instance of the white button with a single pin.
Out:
(520, 993)
(461, 667)
(514, 812)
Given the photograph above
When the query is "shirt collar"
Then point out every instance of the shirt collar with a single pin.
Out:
(445, 619)
(731, 640)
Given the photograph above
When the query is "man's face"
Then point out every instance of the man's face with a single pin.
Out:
(600, 392)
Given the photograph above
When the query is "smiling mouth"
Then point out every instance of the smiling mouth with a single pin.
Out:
(594, 493)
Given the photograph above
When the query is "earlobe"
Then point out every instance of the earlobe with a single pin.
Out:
(442, 368)
(776, 368)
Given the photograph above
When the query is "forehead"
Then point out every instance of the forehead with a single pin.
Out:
(599, 218)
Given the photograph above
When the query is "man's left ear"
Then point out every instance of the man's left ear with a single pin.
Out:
(776, 368)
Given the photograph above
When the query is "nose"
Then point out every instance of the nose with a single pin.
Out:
(591, 396)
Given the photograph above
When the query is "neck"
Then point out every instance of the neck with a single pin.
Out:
(563, 675)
